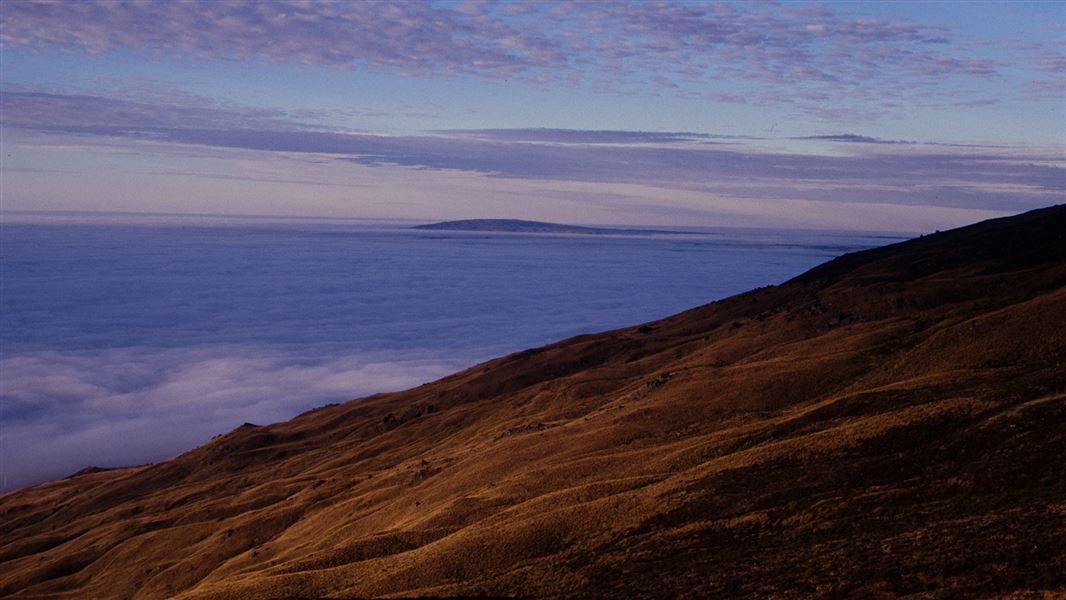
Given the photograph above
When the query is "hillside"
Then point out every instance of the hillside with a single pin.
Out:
(890, 423)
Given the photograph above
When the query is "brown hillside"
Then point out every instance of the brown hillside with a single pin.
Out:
(890, 423)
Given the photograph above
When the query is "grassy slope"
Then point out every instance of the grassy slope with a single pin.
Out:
(892, 422)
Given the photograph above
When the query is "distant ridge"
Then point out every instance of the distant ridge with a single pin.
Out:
(521, 226)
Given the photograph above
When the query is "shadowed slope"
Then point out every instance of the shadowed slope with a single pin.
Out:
(889, 423)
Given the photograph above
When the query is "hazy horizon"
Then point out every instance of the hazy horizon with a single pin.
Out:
(31, 216)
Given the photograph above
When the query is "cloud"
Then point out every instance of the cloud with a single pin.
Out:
(414, 37)
(854, 138)
(124, 406)
(905, 173)
(851, 138)
(874, 66)
(41, 110)
(583, 136)
(213, 322)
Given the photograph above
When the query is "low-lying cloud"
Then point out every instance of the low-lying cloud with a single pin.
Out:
(123, 406)
(128, 339)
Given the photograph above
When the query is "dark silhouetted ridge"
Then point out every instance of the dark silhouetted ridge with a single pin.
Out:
(1015, 242)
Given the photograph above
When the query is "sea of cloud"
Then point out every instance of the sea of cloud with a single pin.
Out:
(65, 410)
(130, 339)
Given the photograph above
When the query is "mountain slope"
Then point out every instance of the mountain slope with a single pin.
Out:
(892, 422)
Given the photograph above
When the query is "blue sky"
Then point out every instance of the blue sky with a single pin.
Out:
(896, 115)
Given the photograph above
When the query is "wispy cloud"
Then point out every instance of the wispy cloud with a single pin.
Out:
(40, 110)
(851, 138)
(905, 172)
(581, 136)
(854, 138)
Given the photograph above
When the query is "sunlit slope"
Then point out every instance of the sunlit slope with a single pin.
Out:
(892, 422)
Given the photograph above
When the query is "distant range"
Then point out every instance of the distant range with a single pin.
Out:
(521, 226)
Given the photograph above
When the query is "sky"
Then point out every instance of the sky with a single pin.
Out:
(903, 116)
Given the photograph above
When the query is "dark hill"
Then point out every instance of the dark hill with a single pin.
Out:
(891, 423)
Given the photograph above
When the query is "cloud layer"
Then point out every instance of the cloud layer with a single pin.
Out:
(811, 57)
(869, 170)
(131, 405)
(113, 357)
